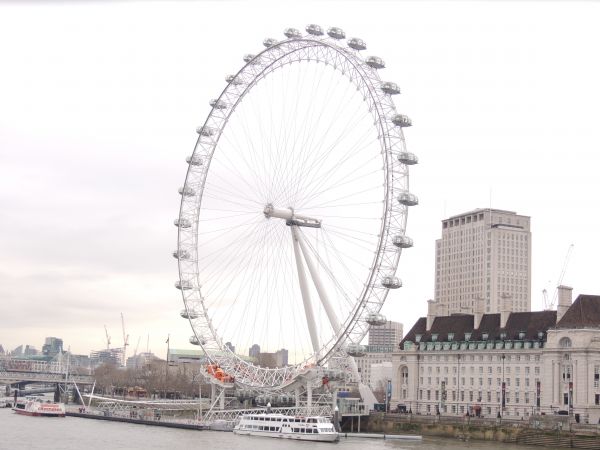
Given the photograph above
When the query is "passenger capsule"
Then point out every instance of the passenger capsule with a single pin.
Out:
(336, 33)
(187, 191)
(376, 319)
(357, 44)
(194, 160)
(400, 120)
(390, 282)
(408, 158)
(206, 131)
(251, 59)
(195, 341)
(232, 79)
(408, 199)
(390, 88)
(355, 350)
(183, 285)
(314, 29)
(181, 254)
(182, 223)
(188, 314)
(218, 104)
(292, 33)
(270, 42)
(375, 62)
(402, 241)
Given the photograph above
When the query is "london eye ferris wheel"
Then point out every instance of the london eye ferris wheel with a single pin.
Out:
(294, 207)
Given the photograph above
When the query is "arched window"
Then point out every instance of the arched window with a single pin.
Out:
(404, 375)
(564, 342)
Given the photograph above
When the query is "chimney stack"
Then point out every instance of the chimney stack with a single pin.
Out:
(565, 299)
(431, 311)
(478, 312)
(504, 309)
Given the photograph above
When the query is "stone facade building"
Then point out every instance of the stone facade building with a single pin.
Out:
(509, 364)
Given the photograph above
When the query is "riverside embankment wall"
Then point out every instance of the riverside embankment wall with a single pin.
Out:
(543, 431)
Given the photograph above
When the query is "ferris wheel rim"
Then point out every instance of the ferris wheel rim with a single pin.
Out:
(279, 376)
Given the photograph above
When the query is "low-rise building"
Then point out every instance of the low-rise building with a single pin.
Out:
(508, 364)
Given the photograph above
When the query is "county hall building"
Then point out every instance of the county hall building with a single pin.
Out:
(512, 364)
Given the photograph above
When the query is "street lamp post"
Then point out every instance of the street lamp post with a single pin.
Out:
(503, 392)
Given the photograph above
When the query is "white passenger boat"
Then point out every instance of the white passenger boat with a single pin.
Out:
(312, 428)
(37, 407)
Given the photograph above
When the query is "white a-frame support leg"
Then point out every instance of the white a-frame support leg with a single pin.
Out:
(310, 317)
(333, 320)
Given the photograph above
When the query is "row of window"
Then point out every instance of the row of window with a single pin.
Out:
(499, 357)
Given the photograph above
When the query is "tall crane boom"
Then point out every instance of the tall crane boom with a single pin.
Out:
(550, 305)
(107, 338)
(125, 340)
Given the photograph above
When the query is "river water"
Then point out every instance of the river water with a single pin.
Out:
(19, 432)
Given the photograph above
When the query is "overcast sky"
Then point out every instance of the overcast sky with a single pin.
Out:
(99, 104)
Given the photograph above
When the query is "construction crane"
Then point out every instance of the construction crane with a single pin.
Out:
(137, 346)
(125, 340)
(107, 338)
(549, 305)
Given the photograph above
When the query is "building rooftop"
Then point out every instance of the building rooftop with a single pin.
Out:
(478, 210)
(530, 323)
(584, 312)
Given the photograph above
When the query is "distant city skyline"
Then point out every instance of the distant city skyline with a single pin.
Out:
(94, 132)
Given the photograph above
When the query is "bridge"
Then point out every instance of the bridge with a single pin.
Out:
(31, 371)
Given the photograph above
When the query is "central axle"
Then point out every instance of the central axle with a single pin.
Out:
(290, 217)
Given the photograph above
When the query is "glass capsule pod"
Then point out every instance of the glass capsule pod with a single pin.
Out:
(375, 62)
(187, 191)
(292, 33)
(195, 341)
(336, 33)
(270, 42)
(314, 29)
(251, 59)
(376, 319)
(400, 120)
(408, 158)
(357, 44)
(181, 254)
(205, 131)
(402, 241)
(408, 199)
(182, 223)
(218, 104)
(391, 282)
(194, 160)
(188, 314)
(390, 88)
(183, 285)
(232, 79)
(355, 350)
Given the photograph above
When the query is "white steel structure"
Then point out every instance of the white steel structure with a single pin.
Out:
(293, 211)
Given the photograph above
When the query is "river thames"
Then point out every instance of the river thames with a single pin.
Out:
(22, 432)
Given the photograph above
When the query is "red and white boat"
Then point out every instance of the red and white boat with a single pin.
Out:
(37, 407)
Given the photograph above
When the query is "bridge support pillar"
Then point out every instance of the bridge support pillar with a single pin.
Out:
(309, 396)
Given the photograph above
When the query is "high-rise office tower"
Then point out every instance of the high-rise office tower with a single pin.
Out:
(483, 263)
(389, 334)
